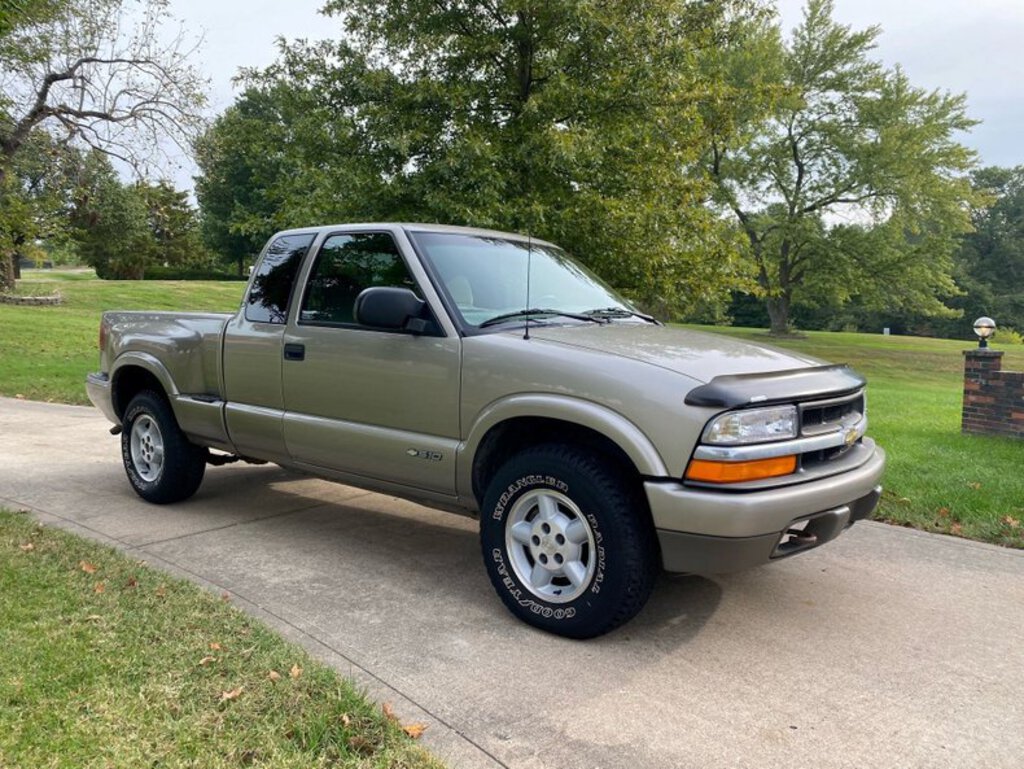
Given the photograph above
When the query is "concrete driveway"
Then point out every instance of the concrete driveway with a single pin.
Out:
(887, 648)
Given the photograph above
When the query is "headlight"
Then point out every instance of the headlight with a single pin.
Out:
(753, 426)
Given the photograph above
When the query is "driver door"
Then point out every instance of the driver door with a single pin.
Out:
(375, 404)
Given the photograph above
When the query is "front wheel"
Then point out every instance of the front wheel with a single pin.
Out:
(567, 541)
(162, 465)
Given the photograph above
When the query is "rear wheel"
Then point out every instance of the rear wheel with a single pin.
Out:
(567, 541)
(161, 464)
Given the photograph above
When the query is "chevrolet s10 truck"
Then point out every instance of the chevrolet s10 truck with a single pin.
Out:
(490, 374)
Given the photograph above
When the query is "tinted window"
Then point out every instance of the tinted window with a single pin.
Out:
(345, 266)
(271, 288)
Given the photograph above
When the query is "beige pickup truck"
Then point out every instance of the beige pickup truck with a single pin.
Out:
(488, 374)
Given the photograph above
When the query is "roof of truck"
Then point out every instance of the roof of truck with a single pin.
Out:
(413, 227)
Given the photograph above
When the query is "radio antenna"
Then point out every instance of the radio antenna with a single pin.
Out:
(529, 259)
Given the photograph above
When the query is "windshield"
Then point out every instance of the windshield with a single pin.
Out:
(485, 277)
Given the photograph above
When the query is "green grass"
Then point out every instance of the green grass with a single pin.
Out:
(937, 478)
(45, 352)
(108, 663)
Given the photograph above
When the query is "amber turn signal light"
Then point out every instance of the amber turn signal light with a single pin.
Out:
(709, 471)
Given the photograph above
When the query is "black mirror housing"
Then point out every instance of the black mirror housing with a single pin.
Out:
(389, 307)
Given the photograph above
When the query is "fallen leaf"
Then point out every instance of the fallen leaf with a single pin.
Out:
(234, 694)
(974, 486)
(19, 396)
(296, 671)
(225, 596)
(161, 591)
(28, 547)
(273, 675)
(943, 512)
(389, 712)
(87, 567)
(99, 587)
(414, 730)
(207, 660)
(1010, 521)
(132, 582)
(94, 618)
(956, 529)
(345, 719)
(214, 646)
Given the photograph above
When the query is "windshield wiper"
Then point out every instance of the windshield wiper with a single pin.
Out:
(506, 316)
(621, 312)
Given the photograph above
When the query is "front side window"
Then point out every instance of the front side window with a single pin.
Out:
(271, 289)
(346, 265)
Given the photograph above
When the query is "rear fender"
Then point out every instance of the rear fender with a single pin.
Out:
(146, 362)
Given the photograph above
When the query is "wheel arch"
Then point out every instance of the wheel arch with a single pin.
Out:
(134, 372)
(521, 421)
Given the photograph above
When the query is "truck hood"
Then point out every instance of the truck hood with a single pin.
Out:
(695, 354)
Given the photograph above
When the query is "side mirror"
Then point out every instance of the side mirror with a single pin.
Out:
(398, 309)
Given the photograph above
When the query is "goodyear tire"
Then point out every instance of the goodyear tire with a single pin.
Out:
(567, 541)
(162, 465)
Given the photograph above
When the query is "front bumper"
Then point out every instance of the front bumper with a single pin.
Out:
(710, 531)
(97, 387)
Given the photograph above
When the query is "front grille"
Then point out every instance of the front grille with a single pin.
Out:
(829, 416)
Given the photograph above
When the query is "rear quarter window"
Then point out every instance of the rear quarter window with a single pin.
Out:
(271, 289)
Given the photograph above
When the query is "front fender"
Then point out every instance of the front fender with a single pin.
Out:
(626, 435)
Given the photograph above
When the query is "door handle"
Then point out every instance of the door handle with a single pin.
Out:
(294, 351)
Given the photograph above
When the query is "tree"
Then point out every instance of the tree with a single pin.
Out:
(174, 227)
(570, 120)
(991, 260)
(854, 185)
(82, 71)
(247, 162)
(109, 222)
(36, 196)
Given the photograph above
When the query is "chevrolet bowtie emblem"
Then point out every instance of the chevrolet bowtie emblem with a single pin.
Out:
(850, 436)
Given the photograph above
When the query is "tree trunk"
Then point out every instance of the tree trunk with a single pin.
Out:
(6, 273)
(778, 312)
(6, 260)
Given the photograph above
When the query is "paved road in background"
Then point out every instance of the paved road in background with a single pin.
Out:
(887, 648)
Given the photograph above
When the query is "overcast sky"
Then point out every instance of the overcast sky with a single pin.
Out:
(972, 46)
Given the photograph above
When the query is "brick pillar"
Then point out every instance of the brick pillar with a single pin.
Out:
(979, 366)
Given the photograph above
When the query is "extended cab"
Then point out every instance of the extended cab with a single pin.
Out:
(487, 373)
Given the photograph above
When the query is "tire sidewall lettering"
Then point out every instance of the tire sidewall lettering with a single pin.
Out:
(526, 482)
(557, 612)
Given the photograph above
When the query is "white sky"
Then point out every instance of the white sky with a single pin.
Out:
(972, 46)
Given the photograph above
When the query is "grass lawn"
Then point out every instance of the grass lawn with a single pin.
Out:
(937, 479)
(45, 352)
(108, 663)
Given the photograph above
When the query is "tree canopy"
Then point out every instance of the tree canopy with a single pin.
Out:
(854, 185)
(990, 264)
(93, 74)
(570, 120)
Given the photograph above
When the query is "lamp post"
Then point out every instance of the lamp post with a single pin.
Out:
(985, 328)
